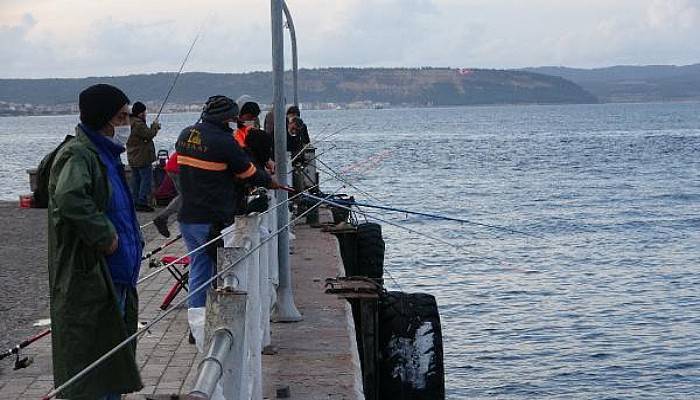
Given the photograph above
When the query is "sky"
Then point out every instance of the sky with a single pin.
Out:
(78, 38)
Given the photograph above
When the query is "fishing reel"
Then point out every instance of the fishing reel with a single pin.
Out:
(257, 201)
(20, 362)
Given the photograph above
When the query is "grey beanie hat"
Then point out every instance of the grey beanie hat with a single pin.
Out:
(219, 108)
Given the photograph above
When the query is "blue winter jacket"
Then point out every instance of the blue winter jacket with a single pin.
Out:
(125, 263)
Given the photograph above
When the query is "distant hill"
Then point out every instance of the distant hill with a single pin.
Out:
(634, 83)
(418, 86)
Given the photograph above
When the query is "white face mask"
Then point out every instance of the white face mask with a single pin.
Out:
(249, 123)
(121, 134)
(233, 125)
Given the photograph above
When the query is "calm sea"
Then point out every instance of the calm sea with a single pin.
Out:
(606, 305)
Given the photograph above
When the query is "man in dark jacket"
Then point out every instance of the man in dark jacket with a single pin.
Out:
(95, 251)
(141, 153)
(213, 169)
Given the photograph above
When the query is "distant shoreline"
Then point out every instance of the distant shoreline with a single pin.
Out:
(388, 107)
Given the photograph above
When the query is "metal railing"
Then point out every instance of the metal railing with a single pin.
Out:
(237, 322)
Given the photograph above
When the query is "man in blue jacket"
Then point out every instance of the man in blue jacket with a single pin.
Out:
(95, 248)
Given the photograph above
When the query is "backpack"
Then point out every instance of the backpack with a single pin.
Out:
(43, 173)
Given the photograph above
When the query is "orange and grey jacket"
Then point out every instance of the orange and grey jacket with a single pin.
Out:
(213, 170)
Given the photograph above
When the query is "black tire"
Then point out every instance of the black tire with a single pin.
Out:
(370, 251)
(410, 342)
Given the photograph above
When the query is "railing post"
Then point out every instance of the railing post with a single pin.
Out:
(247, 233)
(265, 286)
(222, 370)
(273, 270)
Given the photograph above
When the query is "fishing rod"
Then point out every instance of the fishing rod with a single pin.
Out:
(170, 264)
(148, 255)
(161, 247)
(370, 214)
(160, 317)
(26, 361)
(436, 216)
(318, 141)
(147, 224)
(329, 171)
(333, 134)
(182, 66)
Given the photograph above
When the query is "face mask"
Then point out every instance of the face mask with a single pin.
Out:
(249, 123)
(121, 134)
(233, 125)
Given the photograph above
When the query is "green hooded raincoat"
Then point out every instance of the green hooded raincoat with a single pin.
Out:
(85, 319)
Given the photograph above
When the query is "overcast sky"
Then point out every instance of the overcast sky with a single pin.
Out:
(76, 38)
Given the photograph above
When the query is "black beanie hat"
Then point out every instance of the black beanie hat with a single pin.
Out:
(99, 103)
(293, 110)
(219, 109)
(251, 108)
(138, 108)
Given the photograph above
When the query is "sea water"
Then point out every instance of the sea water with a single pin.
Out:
(600, 301)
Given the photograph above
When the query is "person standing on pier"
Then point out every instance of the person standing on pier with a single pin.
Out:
(141, 153)
(250, 137)
(95, 248)
(297, 132)
(213, 168)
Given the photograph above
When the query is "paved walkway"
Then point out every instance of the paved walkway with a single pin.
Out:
(315, 358)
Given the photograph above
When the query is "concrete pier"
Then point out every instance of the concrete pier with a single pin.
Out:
(316, 358)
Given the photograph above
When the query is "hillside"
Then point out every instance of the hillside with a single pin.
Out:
(634, 83)
(424, 86)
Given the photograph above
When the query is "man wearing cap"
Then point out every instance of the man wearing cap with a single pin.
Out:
(213, 169)
(141, 152)
(94, 252)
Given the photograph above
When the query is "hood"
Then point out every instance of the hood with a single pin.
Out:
(294, 109)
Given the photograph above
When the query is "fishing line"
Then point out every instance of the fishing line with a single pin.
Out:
(329, 171)
(333, 134)
(442, 217)
(366, 213)
(317, 141)
(163, 268)
(175, 307)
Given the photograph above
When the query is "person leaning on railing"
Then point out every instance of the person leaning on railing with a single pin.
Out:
(213, 169)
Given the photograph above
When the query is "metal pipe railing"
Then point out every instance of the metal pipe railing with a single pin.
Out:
(211, 369)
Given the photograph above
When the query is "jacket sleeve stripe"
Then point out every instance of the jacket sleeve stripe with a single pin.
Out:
(201, 164)
(247, 173)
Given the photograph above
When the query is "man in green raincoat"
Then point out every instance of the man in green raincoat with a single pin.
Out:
(95, 251)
